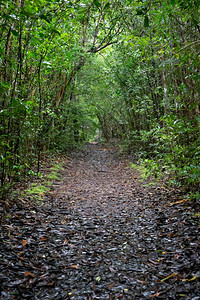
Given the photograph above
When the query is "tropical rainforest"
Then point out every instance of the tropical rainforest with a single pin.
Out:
(99, 149)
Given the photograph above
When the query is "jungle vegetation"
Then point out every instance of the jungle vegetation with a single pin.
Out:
(125, 70)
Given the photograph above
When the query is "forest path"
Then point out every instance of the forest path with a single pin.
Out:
(101, 235)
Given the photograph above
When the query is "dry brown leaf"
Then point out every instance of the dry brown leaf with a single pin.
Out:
(110, 285)
(29, 274)
(154, 295)
(153, 262)
(73, 267)
(24, 242)
(171, 234)
(177, 202)
(140, 281)
(22, 258)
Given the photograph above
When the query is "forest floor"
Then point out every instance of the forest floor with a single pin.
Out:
(101, 233)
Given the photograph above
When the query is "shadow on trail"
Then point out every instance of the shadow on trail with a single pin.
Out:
(101, 235)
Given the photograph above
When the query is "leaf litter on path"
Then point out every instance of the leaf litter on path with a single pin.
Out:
(101, 235)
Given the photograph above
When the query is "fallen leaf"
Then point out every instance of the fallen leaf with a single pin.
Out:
(176, 256)
(71, 245)
(171, 234)
(168, 277)
(154, 295)
(9, 226)
(177, 202)
(43, 276)
(24, 242)
(17, 282)
(98, 278)
(193, 278)
(140, 281)
(29, 274)
(73, 267)
(22, 258)
(110, 285)
(154, 262)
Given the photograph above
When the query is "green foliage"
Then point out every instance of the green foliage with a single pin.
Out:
(152, 167)
(37, 191)
(97, 91)
(159, 93)
(183, 153)
(43, 45)
(195, 197)
(53, 176)
(144, 169)
(178, 157)
(70, 69)
(57, 167)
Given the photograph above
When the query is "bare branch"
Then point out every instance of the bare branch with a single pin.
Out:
(96, 28)
(106, 45)
(193, 43)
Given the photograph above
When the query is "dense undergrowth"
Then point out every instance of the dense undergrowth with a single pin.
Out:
(171, 153)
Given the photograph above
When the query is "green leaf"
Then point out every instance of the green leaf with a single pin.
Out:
(139, 12)
(56, 31)
(41, 34)
(168, 277)
(97, 3)
(172, 2)
(107, 5)
(44, 17)
(146, 21)
(193, 278)
(98, 278)
(14, 32)
(27, 11)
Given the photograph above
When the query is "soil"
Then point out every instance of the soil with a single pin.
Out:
(100, 234)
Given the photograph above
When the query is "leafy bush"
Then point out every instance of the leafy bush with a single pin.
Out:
(178, 152)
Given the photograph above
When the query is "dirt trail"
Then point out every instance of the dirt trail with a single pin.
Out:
(101, 235)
